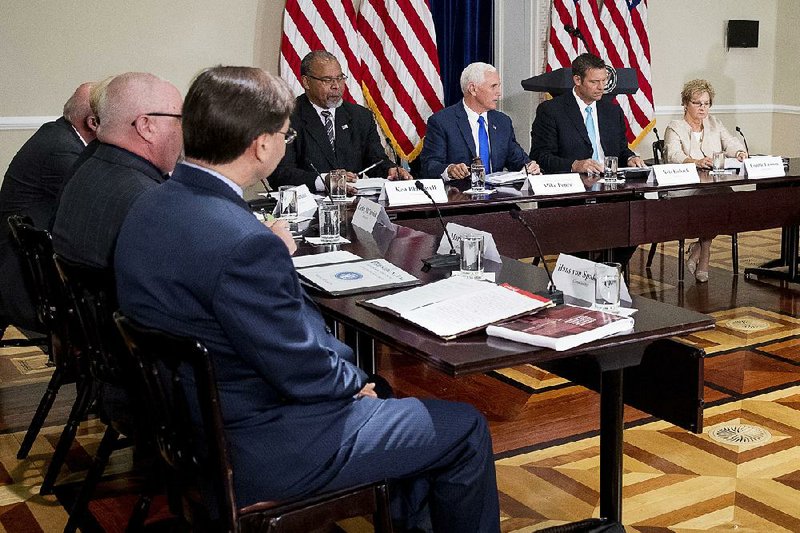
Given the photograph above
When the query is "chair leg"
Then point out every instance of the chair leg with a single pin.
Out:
(651, 254)
(92, 477)
(681, 259)
(78, 412)
(382, 519)
(139, 514)
(735, 253)
(41, 413)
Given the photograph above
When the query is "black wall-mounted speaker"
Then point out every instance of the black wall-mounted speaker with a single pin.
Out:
(742, 34)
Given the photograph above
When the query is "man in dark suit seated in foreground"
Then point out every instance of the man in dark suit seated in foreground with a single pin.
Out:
(473, 127)
(299, 415)
(331, 133)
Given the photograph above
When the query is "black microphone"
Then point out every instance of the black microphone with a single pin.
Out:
(324, 181)
(453, 259)
(744, 139)
(655, 131)
(552, 293)
(575, 32)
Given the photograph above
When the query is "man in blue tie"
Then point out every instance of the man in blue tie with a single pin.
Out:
(575, 130)
(473, 128)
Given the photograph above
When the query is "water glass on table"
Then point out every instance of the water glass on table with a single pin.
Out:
(607, 282)
(287, 203)
(337, 182)
(610, 166)
(329, 222)
(472, 256)
(477, 175)
(718, 162)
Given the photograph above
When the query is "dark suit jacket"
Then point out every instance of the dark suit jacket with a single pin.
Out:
(449, 140)
(95, 202)
(558, 135)
(357, 145)
(31, 187)
(192, 259)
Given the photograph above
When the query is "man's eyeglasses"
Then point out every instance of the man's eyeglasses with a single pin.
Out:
(329, 80)
(289, 135)
(700, 104)
(155, 114)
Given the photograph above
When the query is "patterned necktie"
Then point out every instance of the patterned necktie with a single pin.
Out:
(590, 129)
(483, 145)
(329, 126)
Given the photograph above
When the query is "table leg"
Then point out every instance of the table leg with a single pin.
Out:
(611, 444)
(789, 259)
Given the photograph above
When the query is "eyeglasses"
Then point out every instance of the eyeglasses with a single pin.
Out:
(155, 114)
(700, 104)
(290, 134)
(329, 80)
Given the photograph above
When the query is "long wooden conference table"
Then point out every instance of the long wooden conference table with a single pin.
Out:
(624, 214)
(654, 322)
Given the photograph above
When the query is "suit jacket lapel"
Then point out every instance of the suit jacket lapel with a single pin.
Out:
(465, 129)
(494, 143)
(572, 111)
(313, 126)
(343, 139)
(608, 130)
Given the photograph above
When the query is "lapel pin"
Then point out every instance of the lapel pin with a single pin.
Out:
(345, 126)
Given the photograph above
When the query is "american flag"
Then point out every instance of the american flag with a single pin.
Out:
(400, 69)
(321, 25)
(616, 32)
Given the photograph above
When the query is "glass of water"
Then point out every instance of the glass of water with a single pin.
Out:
(607, 281)
(472, 255)
(718, 162)
(287, 202)
(337, 180)
(329, 222)
(610, 165)
(477, 175)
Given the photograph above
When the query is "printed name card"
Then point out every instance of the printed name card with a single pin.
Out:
(575, 277)
(764, 167)
(306, 202)
(368, 214)
(406, 192)
(457, 231)
(550, 184)
(676, 174)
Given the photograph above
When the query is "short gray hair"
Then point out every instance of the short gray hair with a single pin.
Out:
(475, 73)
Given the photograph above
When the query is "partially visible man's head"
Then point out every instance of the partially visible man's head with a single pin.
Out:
(79, 113)
(142, 113)
(589, 75)
(480, 84)
(322, 78)
(227, 108)
(97, 98)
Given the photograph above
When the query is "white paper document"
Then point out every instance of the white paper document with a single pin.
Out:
(367, 186)
(360, 276)
(326, 258)
(505, 177)
(457, 305)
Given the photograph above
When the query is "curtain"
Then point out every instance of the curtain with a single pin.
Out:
(464, 34)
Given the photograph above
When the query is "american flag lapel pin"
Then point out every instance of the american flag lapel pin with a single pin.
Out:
(345, 126)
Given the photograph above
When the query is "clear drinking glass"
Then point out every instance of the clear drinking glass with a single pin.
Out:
(718, 162)
(607, 281)
(610, 165)
(329, 222)
(472, 255)
(287, 202)
(477, 175)
(337, 181)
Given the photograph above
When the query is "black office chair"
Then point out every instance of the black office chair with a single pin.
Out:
(92, 293)
(56, 316)
(158, 356)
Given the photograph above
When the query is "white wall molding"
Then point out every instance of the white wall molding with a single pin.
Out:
(778, 109)
(23, 123)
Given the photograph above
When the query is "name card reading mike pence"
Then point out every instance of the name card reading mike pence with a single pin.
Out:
(575, 277)
(457, 231)
(764, 167)
(360, 276)
(550, 184)
(676, 174)
(406, 192)
(368, 214)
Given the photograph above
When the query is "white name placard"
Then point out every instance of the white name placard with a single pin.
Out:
(368, 214)
(457, 231)
(406, 192)
(676, 174)
(306, 201)
(575, 277)
(764, 167)
(548, 184)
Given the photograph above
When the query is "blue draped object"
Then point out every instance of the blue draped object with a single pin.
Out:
(464, 34)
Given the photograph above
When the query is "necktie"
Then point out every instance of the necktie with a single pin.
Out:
(483, 145)
(329, 126)
(590, 129)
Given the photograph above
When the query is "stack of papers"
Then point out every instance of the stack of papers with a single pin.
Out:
(505, 178)
(355, 277)
(456, 306)
(368, 186)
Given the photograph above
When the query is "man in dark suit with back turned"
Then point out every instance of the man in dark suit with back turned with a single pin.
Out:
(567, 138)
(31, 187)
(299, 416)
(331, 133)
(459, 132)
(140, 142)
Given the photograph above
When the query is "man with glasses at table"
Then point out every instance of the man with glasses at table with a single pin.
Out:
(140, 142)
(331, 133)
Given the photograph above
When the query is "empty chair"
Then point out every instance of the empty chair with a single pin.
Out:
(197, 458)
(55, 315)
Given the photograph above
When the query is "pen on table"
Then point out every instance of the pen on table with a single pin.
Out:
(373, 165)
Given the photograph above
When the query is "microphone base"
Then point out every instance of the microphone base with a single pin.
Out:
(555, 295)
(441, 261)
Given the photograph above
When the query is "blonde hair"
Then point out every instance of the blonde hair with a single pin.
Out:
(696, 86)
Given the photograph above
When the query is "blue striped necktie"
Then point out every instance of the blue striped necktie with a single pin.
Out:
(329, 127)
(483, 145)
(590, 129)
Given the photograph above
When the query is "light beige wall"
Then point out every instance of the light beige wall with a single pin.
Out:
(786, 126)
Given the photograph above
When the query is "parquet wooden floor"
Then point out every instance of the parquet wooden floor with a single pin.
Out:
(545, 428)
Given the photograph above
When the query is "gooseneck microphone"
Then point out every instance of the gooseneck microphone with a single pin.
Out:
(575, 32)
(552, 292)
(323, 180)
(655, 132)
(453, 259)
(744, 139)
